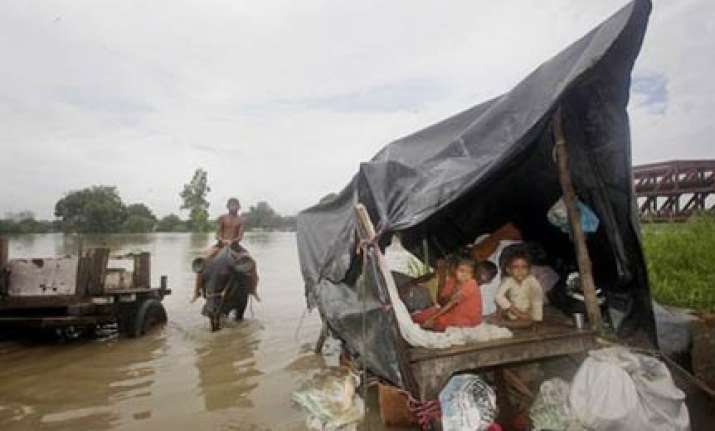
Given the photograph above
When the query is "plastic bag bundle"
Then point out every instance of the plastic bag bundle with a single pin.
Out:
(550, 410)
(468, 403)
(558, 217)
(616, 389)
(330, 401)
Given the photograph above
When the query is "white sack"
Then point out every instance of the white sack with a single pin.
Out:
(616, 389)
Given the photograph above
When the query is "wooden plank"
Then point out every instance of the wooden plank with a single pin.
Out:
(4, 252)
(433, 373)
(51, 322)
(421, 354)
(4, 256)
(142, 270)
(130, 291)
(52, 276)
(83, 265)
(13, 303)
(579, 239)
(91, 270)
(97, 268)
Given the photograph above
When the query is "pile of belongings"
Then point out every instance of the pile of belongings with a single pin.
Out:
(614, 389)
(330, 400)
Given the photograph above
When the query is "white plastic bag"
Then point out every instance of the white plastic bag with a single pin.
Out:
(330, 401)
(616, 389)
(467, 403)
(551, 410)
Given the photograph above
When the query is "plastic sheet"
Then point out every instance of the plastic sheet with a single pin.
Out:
(486, 166)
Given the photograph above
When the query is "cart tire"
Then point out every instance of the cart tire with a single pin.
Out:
(151, 313)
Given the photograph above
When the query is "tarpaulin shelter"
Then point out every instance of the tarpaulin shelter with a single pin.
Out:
(486, 166)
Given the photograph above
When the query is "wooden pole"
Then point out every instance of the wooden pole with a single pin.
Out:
(322, 338)
(4, 252)
(4, 257)
(366, 231)
(579, 239)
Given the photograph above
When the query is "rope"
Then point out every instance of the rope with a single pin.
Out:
(426, 412)
(296, 335)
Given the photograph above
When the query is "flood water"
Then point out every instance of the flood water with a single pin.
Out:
(179, 377)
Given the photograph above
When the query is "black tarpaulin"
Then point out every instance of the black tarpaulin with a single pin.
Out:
(489, 165)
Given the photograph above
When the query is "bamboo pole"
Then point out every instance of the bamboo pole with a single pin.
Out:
(579, 239)
(366, 232)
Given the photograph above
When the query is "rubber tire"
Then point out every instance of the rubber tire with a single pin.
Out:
(151, 313)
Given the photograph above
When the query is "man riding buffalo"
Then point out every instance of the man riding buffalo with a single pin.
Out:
(227, 274)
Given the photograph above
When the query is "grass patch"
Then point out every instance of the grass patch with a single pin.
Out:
(681, 262)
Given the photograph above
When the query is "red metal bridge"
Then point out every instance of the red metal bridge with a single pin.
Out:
(675, 190)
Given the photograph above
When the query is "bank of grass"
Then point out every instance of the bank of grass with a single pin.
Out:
(681, 262)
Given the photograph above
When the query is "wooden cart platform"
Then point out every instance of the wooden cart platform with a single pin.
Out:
(433, 367)
(83, 291)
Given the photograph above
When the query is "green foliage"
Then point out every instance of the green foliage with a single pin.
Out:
(93, 209)
(140, 219)
(681, 262)
(140, 210)
(262, 216)
(193, 198)
(24, 223)
(415, 267)
(138, 224)
(171, 223)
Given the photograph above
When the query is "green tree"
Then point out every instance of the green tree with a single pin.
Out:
(140, 210)
(261, 216)
(194, 199)
(140, 219)
(93, 209)
(171, 223)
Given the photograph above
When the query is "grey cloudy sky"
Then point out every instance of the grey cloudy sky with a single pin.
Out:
(281, 100)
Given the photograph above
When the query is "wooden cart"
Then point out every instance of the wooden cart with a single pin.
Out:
(73, 294)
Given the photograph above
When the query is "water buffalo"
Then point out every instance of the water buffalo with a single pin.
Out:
(225, 279)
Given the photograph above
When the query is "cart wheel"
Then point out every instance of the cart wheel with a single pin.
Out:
(151, 314)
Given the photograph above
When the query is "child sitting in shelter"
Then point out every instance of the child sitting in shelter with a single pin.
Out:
(520, 298)
(486, 274)
(461, 302)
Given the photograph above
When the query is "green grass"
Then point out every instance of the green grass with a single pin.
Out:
(681, 262)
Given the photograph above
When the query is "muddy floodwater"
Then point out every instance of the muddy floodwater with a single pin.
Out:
(181, 377)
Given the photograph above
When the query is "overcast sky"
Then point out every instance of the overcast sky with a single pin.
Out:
(281, 100)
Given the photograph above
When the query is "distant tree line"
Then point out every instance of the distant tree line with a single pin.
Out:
(100, 209)
(25, 222)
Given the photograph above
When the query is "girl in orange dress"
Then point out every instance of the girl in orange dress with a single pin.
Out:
(461, 302)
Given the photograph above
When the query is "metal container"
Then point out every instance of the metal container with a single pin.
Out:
(578, 320)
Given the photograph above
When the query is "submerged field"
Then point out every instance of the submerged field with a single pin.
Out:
(681, 262)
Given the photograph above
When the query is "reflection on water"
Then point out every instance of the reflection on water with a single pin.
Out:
(229, 374)
(183, 376)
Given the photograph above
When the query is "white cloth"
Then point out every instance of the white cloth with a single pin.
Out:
(418, 337)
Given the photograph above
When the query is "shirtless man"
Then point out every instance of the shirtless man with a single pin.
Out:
(230, 232)
(230, 226)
